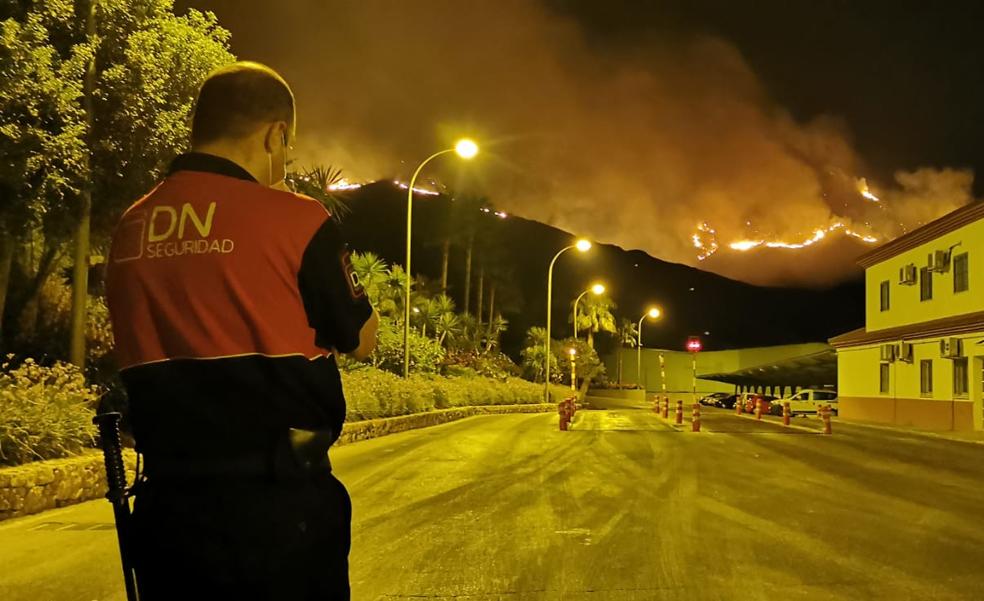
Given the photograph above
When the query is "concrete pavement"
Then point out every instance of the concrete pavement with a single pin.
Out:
(623, 507)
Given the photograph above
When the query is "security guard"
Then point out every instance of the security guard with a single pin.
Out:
(231, 298)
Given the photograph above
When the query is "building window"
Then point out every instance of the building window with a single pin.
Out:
(925, 284)
(885, 290)
(960, 377)
(885, 374)
(926, 377)
(961, 273)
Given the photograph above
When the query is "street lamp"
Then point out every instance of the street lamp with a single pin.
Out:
(652, 313)
(581, 245)
(597, 290)
(466, 149)
(573, 353)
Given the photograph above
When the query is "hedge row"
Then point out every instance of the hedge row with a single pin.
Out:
(372, 393)
(46, 412)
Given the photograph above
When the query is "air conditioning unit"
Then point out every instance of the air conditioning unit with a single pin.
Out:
(888, 352)
(951, 348)
(908, 275)
(905, 352)
(939, 261)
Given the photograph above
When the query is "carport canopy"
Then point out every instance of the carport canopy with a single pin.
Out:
(814, 370)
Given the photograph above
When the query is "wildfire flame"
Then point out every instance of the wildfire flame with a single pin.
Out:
(865, 191)
(705, 238)
(344, 184)
(416, 190)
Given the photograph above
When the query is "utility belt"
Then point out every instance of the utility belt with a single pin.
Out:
(301, 454)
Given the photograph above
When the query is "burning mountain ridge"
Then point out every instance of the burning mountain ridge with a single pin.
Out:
(668, 144)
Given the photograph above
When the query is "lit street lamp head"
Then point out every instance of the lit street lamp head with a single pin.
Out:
(598, 289)
(572, 352)
(654, 313)
(583, 245)
(466, 148)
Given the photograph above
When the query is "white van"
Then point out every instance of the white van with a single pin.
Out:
(807, 401)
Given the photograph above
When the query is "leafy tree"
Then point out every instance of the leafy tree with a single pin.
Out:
(130, 70)
(41, 140)
(447, 327)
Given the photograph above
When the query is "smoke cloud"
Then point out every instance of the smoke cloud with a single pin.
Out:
(644, 146)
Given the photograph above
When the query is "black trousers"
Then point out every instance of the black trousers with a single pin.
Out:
(241, 539)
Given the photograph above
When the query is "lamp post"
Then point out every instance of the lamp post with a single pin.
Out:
(597, 289)
(581, 245)
(573, 353)
(652, 313)
(466, 149)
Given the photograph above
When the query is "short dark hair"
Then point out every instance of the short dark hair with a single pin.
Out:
(236, 98)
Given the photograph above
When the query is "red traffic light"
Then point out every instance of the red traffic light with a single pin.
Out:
(694, 345)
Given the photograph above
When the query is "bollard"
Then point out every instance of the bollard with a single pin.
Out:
(739, 406)
(562, 411)
(656, 408)
(679, 413)
(785, 413)
(666, 407)
(695, 418)
(825, 416)
(758, 408)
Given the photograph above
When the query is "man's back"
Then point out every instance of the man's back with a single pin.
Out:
(208, 297)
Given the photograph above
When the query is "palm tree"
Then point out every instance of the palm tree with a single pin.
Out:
(594, 314)
(533, 355)
(448, 325)
(317, 183)
(627, 335)
(496, 327)
(371, 271)
(433, 309)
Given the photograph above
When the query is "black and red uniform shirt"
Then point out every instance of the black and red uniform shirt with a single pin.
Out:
(227, 299)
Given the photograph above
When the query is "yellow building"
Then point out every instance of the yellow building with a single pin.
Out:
(919, 360)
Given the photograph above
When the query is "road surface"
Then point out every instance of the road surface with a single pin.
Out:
(624, 507)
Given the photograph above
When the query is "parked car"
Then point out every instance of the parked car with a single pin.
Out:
(807, 401)
(727, 402)
(712, 398)
(752, 399)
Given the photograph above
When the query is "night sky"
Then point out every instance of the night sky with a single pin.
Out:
(636, 122)
(906, 75)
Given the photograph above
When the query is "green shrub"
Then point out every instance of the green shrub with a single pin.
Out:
(372, 393)
(426, 354)
(46, 412)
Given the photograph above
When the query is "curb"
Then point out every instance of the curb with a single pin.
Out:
(912, 432)
(376, 428)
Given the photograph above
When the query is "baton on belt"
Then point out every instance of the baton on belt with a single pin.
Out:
(112, 447)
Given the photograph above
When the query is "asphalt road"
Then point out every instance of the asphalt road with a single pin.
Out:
(624, 507)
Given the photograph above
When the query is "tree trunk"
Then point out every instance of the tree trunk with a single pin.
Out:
(619, 370)
(591, 338)
(468, 269)
(6, 261)
(80, 270)
(491, 301)
(445, 257)
(481, 293)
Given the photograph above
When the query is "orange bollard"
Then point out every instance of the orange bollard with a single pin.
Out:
(679, 413)
(695, 419)
(656, 408)
(666, 407)
(785, 413)
(562, 412)
(758, 408)
(825, 416)
(739, 406)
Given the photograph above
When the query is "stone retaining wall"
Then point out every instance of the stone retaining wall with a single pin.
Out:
(42, 485)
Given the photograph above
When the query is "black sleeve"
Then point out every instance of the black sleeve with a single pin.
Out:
(336, 304)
